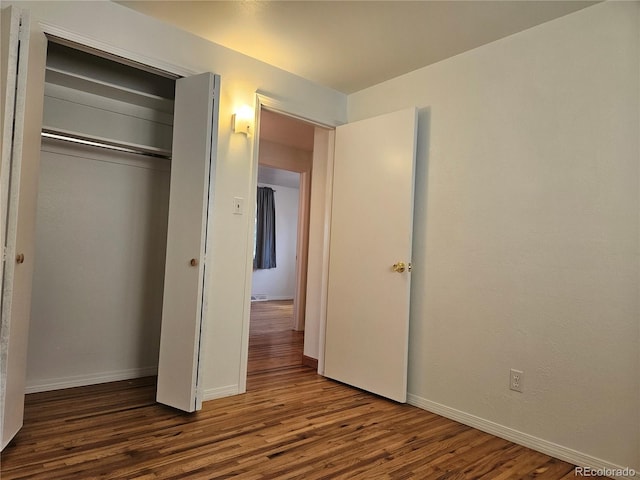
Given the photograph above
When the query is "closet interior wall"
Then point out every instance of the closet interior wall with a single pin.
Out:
(101, 223)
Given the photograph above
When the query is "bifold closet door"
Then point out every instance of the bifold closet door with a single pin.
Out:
(194, 145)
(23, 65)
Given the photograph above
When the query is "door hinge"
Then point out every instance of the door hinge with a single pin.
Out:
(4, 253)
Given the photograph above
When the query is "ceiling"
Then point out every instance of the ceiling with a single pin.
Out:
(351, 45)
(285, 130)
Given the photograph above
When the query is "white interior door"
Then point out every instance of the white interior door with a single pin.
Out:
(23, 67)
(371, 230)
(194, 143)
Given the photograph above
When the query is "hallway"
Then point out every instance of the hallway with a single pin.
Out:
(273, 345)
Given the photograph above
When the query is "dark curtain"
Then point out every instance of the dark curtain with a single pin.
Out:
(265, 229)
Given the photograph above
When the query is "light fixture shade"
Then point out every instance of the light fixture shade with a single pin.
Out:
(241, 120)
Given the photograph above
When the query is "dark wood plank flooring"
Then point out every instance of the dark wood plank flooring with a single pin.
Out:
(292, 424)
(272, 342)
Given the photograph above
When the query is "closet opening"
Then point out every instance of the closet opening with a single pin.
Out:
(102, 220)
(136, 181)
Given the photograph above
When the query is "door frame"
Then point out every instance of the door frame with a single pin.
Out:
(299, 112)
(121, 55)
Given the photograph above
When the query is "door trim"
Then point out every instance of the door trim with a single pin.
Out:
(124, 55)
(292, 109)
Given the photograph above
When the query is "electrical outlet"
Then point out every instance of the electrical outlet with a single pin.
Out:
(516, 378)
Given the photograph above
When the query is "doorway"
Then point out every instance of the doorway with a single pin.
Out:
(275, 258)
(316, 252)
(278, 295)
(274, 347)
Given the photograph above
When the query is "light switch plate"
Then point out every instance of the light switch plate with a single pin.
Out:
(238, 206)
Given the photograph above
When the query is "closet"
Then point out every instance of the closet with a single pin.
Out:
(126, 159)
(101, 221)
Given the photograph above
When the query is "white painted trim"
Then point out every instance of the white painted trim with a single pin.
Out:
(248, 279)
(94, 43)
(273, 297)
(92, 379)
(220, 392)
(294, 110)
(280, 297)
(328, 198)
(538, 444)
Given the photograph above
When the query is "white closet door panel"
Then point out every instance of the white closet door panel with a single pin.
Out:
(179, 384)
(9, 72)
(22, 120)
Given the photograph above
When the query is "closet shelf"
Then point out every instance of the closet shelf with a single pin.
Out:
(109, 90)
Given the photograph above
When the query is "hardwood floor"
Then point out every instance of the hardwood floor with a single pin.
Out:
(292, 424)
(272, 342)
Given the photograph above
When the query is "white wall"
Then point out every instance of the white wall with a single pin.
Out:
(280, 283)
(526, 246)
(241, 77)
(99, 267)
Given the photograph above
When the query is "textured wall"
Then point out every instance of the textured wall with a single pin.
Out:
(526, 245)
(279, 283)
(99, 268)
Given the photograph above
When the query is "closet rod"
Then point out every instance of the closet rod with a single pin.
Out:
(67, 136)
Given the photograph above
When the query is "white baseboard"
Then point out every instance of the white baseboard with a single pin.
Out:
(35, 386)
(103, 377)
(266, 298)
(524, 439)
(219, 392)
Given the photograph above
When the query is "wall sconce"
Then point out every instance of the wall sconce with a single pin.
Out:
(241, 120)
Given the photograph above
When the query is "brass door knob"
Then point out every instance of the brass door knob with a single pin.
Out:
(399, 267)
(193, 262)
(20, 258)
